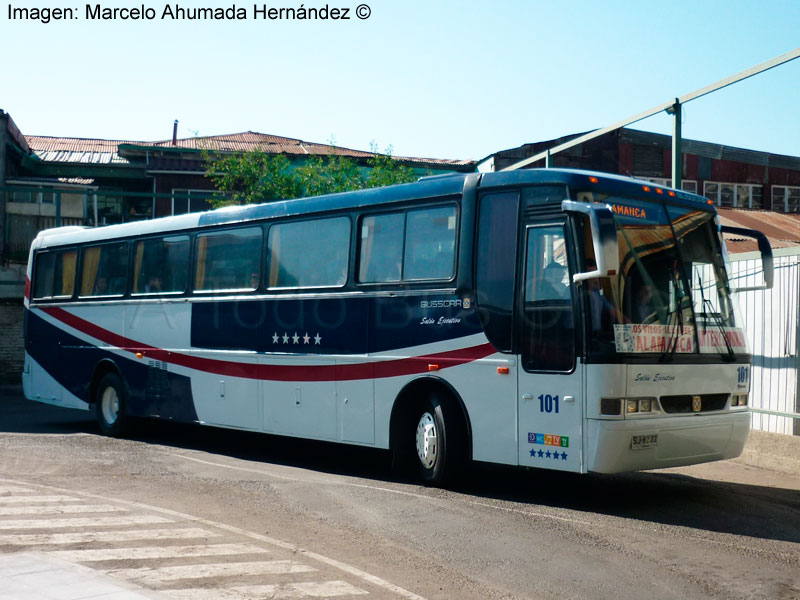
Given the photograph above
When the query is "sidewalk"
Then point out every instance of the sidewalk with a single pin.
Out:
(773, 451)
(32, 576)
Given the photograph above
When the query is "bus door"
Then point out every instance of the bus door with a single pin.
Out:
(550, 377)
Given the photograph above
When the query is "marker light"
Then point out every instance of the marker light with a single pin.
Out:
(646, 188)
(610, 406)
(593, 179)
(671, 193)
(710, 202)
(433, 367)
(739, 400)
(659, 191)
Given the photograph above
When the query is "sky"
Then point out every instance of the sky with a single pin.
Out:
(458, 79)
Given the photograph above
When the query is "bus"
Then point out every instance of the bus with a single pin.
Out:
(544, 318)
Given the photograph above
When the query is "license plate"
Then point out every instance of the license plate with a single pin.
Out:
(640, 442)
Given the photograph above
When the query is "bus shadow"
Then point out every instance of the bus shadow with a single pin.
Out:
(663, 498)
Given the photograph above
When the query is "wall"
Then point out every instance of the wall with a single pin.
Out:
(12, 353)
(771, 323)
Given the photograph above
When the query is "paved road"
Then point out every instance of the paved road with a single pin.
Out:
(188, 512)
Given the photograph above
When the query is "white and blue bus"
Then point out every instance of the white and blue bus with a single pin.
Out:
(545, 318)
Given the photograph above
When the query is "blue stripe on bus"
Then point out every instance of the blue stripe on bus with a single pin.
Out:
(331, 325)
(71, 362)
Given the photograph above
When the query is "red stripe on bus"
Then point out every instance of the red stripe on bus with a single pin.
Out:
(367, 370)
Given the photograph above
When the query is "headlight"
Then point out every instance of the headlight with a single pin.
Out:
(612, 406)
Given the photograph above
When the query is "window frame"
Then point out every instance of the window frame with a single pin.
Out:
(131, 267)
(786, 189)
(36, 265)
(195, 237)
(79, 270)
(266, 264)
(402, 282)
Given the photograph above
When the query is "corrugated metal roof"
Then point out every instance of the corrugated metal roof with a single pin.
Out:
(252, 140)
(82, 150)
(76, 150)
(783, 230)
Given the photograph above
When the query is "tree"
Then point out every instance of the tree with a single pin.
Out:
(257, 176)
(251, 177)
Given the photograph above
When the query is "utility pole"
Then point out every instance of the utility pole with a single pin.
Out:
(677, 154)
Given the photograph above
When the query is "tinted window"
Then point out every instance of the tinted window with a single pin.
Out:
(309, 253)
(430, 243)
(416, 245)
(495, 266)
(55, 274)
(381, 248)
(104, 270)
(548, 329)
(161, 265)
(228, 260)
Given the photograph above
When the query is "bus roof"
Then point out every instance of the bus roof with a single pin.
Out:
(426, 187)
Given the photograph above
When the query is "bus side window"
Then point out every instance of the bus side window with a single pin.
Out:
(312, 253)
(104, 270)
(413, 246)
(55, 274)
(430, 243)
(161, 265)
(226, 260)
(381, 248)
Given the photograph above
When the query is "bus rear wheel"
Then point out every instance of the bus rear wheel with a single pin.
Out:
(110, 406)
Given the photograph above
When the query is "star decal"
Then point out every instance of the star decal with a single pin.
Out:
(285, 338)
(541, 453)
(306, 338)
(296, 338)
(563, 456)
(533, 453)
(548, 454)
(317, 339)
(275, 338)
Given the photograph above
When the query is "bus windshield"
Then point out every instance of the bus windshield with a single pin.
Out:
(671, 295)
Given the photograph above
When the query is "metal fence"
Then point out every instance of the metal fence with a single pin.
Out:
(772, 321)
(30, 209)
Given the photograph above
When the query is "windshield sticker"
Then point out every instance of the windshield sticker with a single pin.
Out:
(713, 340)
(635, 337)
(638, 338)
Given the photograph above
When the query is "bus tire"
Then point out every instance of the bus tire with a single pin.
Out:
(436, 438)
(110, 406)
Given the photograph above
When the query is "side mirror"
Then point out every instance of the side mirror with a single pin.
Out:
(766, 256)
(604, 238)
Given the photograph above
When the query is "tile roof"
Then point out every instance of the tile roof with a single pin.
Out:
(783, 230)
(81, 150)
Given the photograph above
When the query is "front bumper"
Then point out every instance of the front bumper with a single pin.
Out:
(683, 440)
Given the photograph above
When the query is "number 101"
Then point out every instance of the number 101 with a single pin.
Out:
(548, 403)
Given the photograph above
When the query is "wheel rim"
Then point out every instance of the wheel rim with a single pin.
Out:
(427, 440)
(109, 405)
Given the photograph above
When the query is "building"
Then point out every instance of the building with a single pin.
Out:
(731, 177)
(49, 181)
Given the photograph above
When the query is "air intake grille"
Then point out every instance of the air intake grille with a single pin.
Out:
(683, 403)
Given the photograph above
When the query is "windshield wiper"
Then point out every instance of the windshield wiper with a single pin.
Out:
(708, 310)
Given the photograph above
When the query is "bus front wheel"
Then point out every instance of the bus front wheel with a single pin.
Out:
(435, 442)
(109, 405)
